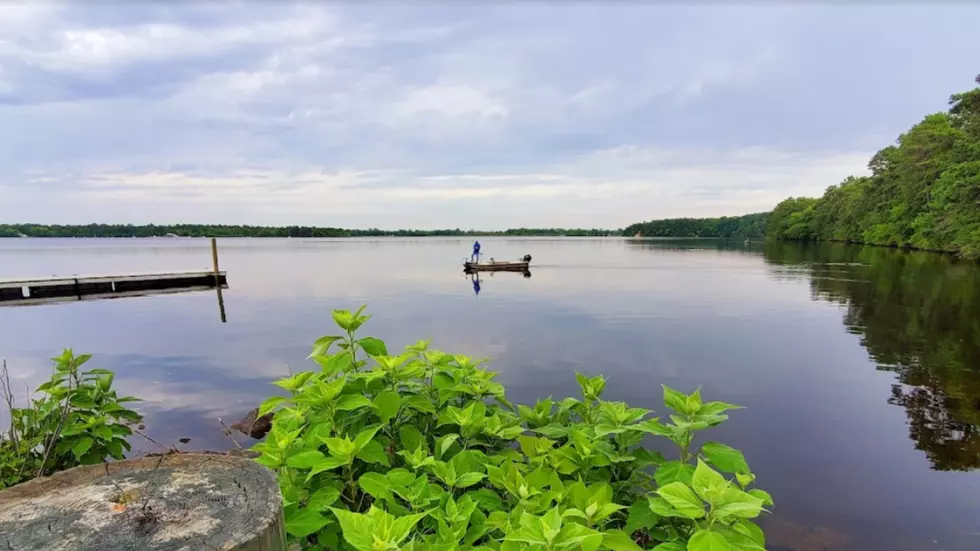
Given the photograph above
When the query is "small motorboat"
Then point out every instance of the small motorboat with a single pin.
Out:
(522, 265)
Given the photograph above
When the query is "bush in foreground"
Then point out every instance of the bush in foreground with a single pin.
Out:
(77, 419)
(422, 451)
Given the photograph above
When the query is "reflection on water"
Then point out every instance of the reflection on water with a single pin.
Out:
(477, 278)
(918, 315)
(753, 324)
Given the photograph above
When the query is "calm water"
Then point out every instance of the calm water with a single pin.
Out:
(860, 367)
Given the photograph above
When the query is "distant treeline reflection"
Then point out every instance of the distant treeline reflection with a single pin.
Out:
(918, 315)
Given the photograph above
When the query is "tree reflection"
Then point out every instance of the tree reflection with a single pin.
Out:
(918, 315)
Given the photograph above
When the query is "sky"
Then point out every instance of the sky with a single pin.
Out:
(468, 115)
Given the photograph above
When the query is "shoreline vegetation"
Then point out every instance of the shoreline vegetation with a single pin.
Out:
(923, 193)
(221, 230)
(422, 451)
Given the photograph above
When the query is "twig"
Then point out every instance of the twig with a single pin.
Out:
(57, 431)
(8, 398)
(144, 435)
(228, 433)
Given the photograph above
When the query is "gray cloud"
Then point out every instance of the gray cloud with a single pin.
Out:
(360, 115)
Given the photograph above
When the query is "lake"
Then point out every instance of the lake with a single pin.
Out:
(859, 367)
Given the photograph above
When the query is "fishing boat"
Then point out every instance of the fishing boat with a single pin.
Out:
(522, 265)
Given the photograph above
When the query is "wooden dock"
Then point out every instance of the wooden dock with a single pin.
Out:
(57, 289)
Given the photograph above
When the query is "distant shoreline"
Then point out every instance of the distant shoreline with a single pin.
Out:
(219, 230)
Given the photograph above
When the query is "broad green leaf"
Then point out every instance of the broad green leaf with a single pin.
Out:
(305, 459)
(411, 437)
(752, 531)
(670, 546)
(640, 517)
(469, 479)
(661, 507)
(305, 522)
(444, 443)
(724, 457)
(322, 345)
(105, 381)
(400, 477)
(270, 404)
(683, 499)
(295, 382)
(552, 431)
(617, 540)
(654, 426)
(714, 408)
(736, 503)
(745, 479)
(329, 365)
(325, 465)
(364, 437)
(604, 429)
(420, 403)
(577, 537)
(674, 471)
(707, 540)
(763, 495)
(373, 346)
(675, 400)
(375, 484)
(81, 447)
(402, 526)
(357, 529)
(486, 499)
(387, 404)
(533, 446)
(340, 447)
(693, 402)
(323, 498)
(350, 402)
(707, 483)
(373, 452)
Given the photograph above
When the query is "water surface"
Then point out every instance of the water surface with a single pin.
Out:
(860, 367)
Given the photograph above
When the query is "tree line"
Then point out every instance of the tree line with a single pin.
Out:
(923, 192)
(211, 230)
(749, 225)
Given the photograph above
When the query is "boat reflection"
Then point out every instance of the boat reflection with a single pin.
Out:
(477, 281)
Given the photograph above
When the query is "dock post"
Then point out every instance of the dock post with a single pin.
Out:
(214, 261)
(217, 280)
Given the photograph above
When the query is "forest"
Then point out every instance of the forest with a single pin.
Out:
(923, 192)
(209, 230)
(750, 225)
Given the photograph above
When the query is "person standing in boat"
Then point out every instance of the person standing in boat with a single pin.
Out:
(476, 252)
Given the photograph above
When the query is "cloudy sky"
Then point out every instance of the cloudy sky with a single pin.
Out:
(433, 115)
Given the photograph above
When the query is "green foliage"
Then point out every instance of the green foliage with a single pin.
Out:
(923, 193)
(422, 451)
(219, 230)
(77, 420)
(749, 225)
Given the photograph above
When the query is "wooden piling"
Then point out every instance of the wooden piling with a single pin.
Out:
(217, 282)
(214, 261)
(166, 503)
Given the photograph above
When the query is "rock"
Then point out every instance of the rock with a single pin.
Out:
(253, 425)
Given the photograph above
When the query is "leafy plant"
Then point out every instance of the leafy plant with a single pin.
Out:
(422, 451)
(77, 420)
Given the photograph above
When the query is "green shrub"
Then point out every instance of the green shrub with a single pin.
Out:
(422, 451)
(77, 420)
